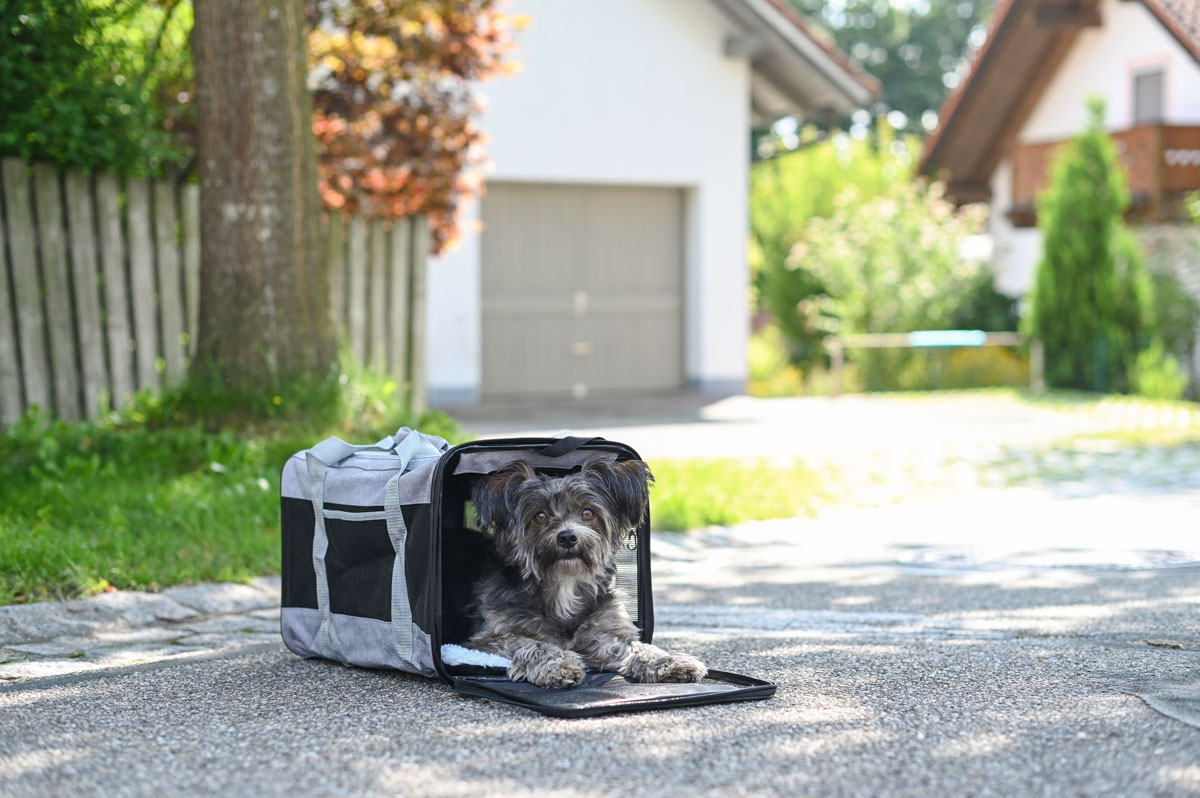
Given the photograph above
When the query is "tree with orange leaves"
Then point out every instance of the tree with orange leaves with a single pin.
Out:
(394, 104)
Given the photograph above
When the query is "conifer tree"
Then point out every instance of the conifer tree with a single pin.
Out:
(1092, 300)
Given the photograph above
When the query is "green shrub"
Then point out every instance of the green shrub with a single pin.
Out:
(1178, 315)
(771, 372)
(891, 264)
(1157, 374)
(1092, 300)
(966, 367)
(982, 307)
(987, 367)
(80, 81)
(786, 193)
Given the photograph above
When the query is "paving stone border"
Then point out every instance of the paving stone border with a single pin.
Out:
(127, 627)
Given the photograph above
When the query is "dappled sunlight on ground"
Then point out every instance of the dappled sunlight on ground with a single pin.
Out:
(1181, 777)
(984, 743)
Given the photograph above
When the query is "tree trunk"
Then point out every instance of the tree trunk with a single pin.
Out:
(264, 302)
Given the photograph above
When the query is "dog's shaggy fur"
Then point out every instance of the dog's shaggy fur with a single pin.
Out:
(548, 597)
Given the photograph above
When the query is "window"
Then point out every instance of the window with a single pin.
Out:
(1148, 97)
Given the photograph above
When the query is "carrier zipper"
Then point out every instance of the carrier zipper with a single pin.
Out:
(645, 619)
(435, 534)
(372, 454)
(435, 538)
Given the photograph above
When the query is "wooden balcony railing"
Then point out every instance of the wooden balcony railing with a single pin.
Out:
(1162, 163)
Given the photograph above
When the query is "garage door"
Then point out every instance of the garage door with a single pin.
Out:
(582, 290)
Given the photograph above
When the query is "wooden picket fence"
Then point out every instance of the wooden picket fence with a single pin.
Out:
(99, 289)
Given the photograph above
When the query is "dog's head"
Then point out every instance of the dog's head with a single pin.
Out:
(546, 525)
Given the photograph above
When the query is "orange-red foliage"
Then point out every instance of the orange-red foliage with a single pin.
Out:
(394, 104)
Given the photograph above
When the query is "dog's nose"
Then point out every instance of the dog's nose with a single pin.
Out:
(567, 539)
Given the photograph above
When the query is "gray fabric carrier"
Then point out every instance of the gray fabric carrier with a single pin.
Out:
(352, 567)
(362, 547)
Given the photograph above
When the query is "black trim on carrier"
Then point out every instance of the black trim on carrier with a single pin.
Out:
(553, 447)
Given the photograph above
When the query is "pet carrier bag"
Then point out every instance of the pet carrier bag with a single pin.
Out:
(364, 532)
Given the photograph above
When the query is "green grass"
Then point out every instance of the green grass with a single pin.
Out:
(86, 508)
(689, 494)
(147, 500)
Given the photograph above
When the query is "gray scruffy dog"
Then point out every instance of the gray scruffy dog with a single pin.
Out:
(548, 599)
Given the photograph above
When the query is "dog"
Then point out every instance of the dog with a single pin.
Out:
(547, 597)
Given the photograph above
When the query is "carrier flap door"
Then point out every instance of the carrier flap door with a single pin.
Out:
(608, 693)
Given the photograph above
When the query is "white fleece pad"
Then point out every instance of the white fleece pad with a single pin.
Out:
(457, 655)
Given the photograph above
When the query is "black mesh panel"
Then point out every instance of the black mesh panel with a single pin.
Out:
(359, 565)
(299, 579)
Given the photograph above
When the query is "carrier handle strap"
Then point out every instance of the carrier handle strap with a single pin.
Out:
(407, 444)
(401, 609)
(566, 445)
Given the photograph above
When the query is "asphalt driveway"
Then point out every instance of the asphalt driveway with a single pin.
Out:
(1031, 640)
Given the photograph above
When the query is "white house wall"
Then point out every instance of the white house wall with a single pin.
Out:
(1101, 62)
(1015, 250)
(623, 92)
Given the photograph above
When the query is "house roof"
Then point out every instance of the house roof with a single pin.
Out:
(795, 71)
(1182, 19)
(1024, 48)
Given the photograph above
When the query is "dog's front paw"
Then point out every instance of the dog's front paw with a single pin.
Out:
(649, 663)
(681, 668)
(552, 668)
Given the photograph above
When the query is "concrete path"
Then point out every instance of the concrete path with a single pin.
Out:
(823, 427)
(127, 628)
(1041, 639)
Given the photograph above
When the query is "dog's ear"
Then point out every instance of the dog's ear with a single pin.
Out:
(493, 496)
(628, 487)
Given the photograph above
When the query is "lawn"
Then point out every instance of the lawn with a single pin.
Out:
(137, 504)
(145, 501)
(690, 494)
(87, 508)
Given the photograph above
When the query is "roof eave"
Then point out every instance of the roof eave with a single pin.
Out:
(788, 57)
(1189, 41)
(980, 118)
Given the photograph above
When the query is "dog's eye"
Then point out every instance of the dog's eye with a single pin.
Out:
(587, 514)
(541, 516)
